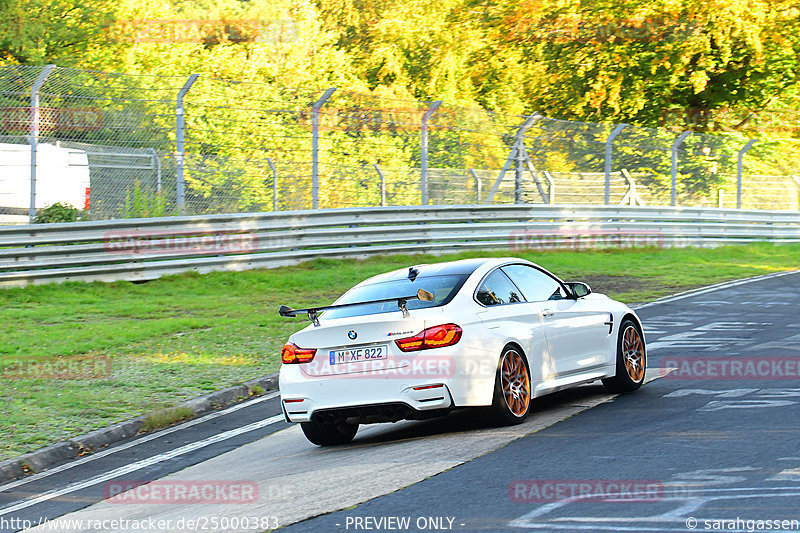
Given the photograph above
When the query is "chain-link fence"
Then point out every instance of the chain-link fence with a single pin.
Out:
(127, 145)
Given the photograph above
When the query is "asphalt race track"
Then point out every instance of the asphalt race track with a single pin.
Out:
(713, 445)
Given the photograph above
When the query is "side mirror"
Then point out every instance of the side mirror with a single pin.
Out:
(579, 289)
(424, 295)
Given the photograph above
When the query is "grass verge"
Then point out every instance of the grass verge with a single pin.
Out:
(166, 417)
(181, 336)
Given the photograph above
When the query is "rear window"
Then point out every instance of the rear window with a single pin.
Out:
(443, 288)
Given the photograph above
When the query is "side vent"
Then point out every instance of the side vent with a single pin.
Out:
(610, 323)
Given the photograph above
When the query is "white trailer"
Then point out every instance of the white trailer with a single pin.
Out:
(62, 176)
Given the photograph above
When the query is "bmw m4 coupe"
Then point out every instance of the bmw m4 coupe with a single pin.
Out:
(421, 341)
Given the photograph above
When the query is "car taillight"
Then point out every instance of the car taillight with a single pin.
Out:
(293, 354)
(435, 337)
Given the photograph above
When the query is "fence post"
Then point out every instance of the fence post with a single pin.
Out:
(156, 167)
(797, 181)
(477, 185)
(383, 184)
(743, 151)
(532, 170)
(674, 169)
(315, 146)
(609, 147)
(518, 169)
(180, 125)
(423, 178)
(34, 133)
(513, 154)
(631, 197)
(274, 184)
(551, 196)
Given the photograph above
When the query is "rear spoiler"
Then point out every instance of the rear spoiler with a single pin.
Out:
(422, 294)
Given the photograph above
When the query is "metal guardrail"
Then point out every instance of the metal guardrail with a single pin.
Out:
(142, 249)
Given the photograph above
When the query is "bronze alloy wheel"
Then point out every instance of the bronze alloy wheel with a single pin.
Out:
(633, 353)
(516, 383)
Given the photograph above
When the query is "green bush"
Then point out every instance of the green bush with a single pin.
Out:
(58, 212)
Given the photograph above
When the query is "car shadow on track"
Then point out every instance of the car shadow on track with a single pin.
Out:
(469, 419)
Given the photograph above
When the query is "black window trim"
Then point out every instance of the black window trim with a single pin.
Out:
(485, 277)
(567, 291)
(563, 285)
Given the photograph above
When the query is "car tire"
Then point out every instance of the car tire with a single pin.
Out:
(329, 434)
(512, 388)
(631, 359)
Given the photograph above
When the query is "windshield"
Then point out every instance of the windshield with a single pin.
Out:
(443, 289)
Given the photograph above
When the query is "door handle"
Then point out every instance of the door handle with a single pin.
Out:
(547, 313)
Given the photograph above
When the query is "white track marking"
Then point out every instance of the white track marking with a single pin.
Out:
(144, 463)
(716, 287)
(697, 499)
(288, 468)
(147, 438)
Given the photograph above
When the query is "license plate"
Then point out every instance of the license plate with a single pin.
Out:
(359, 355)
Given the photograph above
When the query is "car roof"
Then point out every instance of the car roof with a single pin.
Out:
(460, 267)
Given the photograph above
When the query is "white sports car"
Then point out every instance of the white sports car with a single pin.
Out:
(418, 342)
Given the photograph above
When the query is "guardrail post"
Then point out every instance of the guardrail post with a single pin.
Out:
(423, 178)
(513, 154)
(315, 146)
(274, 184)
(797, 181)
(609, 147)
(674, 169)
(477, 185)
(383, 184)
(743, 151)
(180, 126)
(34, 133)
